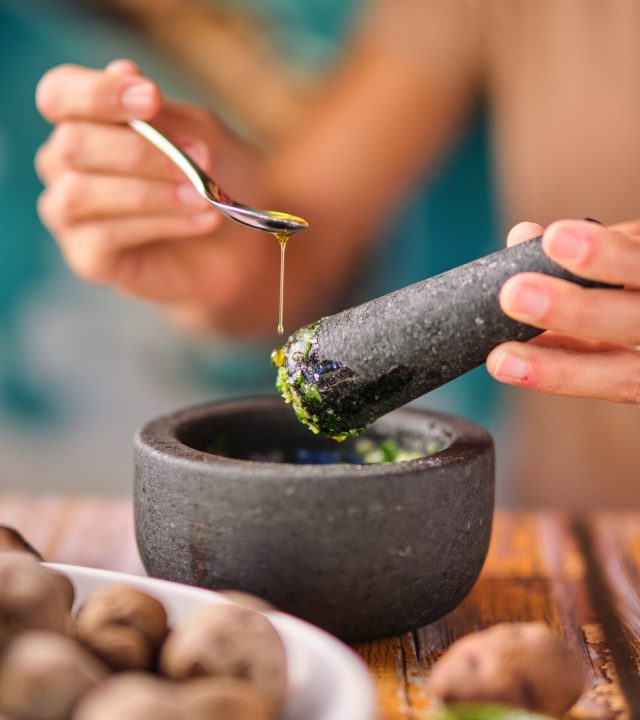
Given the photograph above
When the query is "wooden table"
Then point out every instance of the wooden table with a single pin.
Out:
(582, 577)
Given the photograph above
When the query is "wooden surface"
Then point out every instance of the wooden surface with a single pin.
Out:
(582, 577)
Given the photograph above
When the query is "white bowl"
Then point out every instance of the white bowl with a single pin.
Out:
(327, 680)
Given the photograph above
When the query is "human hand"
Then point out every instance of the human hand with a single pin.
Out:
(123, 213)
(592, 344)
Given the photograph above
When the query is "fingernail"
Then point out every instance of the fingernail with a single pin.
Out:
(137, 98)
(568, 245)
(196, 150)
(510, 367)
(526, 300)
(188, 195)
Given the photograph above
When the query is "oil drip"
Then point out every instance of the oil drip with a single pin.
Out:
(282, 238)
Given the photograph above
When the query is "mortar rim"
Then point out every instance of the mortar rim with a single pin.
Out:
(158, 438)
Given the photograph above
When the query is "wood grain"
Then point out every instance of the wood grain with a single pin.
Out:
(89, 532)
(581, 577)
(535, 570)
(614, 542)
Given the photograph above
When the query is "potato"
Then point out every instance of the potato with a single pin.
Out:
(124, 626)
(43, 675)
(31, 597)
(253, 602)
(12, 541)
(209, 698)
(519, 664)
(52, 667)
(65, 586)
(228, 641)
(132, 696)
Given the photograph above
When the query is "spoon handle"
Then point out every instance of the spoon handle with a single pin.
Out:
(370, 359)
(195, 174)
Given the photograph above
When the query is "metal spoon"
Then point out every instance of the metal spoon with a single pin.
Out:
(269, 220)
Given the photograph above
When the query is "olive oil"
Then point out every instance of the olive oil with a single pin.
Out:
(282, 238)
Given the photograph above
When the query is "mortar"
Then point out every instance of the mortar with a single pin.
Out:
(363, 550)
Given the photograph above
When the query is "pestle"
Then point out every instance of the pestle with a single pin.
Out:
(348, 369)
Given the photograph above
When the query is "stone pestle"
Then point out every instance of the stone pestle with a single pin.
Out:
(348, 369)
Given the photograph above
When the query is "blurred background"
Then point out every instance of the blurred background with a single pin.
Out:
(81, 368)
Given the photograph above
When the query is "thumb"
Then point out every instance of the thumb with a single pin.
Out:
(523, 231)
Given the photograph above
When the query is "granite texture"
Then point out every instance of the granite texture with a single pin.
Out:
(380, 355)
(364, 551)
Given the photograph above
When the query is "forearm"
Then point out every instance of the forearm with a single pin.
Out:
(381, 121)
(361, 146)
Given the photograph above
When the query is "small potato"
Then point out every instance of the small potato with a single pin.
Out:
(122, 648)
(65, 586)
(209, 698)
(12, 541)
(43, 675)
(31, 597)
(132, 696)
(124, 626)
(520, 664)
(253, 602)
(228, 641)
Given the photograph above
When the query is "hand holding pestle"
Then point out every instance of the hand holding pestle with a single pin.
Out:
(348, 369)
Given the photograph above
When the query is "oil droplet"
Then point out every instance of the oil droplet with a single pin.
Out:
(278, 357)
(282, 238)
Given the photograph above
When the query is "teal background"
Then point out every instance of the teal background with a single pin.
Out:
(81, 367)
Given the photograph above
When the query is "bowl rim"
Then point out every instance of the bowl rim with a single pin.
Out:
(158, 438)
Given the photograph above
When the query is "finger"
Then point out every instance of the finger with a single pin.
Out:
(89, 249)
(611, 375)
(594, 251)
(110, 149)
(174, 114)
(523, 231)
(122, 67)
(75, 197)
(177, 119)
(70, 92)
(554, 304)
(630, 227)
(551, 339)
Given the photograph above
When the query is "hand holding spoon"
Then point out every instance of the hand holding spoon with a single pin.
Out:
(280, 224)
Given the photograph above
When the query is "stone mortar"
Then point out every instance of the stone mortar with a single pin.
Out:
(364, 551)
